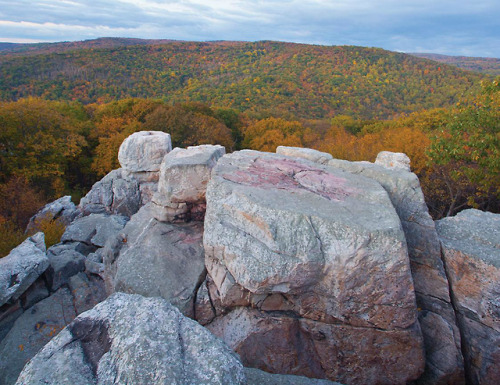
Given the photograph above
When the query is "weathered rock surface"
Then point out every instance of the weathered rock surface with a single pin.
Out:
(315, 349)
(94, 229)
(65, 261)
(32, 330)
(306, 153)
(135, 340)
(393, 160)
(471, 250)
(331, 243)
(259, 377)
(113, 194)
(153, 258)
(22, 267)
(61, 209)
(444, 361)
(184, 176)
(144, 151)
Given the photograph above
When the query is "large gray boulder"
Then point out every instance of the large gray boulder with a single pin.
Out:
(471, 250)
(153, 259)
(135, 340)
(184, 176)
(32, 330)
(330, 243)
(113, 194)
(22, 267)
(444, 361)
(65, 261)
(144, 151)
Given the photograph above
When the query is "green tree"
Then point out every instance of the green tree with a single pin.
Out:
(466, 153)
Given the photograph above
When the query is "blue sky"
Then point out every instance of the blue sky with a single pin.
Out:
(453, 27)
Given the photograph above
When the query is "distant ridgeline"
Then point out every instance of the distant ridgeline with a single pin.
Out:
(261, 78)
(487, 65)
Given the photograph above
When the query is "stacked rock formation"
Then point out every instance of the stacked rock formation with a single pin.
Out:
(184, 175)
(302, 264)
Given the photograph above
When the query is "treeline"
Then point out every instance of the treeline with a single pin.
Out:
(51, 148)
(262, 78)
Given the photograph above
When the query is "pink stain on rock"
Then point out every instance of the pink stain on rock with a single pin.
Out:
(291, 175)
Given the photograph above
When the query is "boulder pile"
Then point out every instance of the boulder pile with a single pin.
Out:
(294, 267)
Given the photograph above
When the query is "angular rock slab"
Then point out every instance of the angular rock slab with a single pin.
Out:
(306, 153)
(129, 339)
(94, 229)
(32, 330)
(184, 176)
(22, 267)
(444, 361)
(280, 344)
(259, 377)
(471, 250)
(328, 240)
(153, 259)
(144, 151)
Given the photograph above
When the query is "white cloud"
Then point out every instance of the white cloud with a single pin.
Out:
(450, 26)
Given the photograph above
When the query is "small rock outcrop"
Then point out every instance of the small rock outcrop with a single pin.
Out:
(393, 160)
(471, 251)
(286, 244)
(62, 209)
(184, 176)
(129, 339)
(305, 153)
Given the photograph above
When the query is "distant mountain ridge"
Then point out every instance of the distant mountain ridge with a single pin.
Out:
(487, 65)
(264, 78)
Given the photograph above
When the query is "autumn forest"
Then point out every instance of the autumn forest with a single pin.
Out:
(65, 109)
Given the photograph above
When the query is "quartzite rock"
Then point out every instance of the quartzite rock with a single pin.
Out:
(184, 176)
(61, 209)
(94, 229)
(32, 330)
(444, 361)
(129, 339)
(113, 194)
(144, 151)
(22, 267)
(157, 259)
(393, 160)
(305, 153)
(330, 241)
(65, 261)
(471, 250)
(259, 377)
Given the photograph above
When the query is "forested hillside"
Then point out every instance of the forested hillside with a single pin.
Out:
(65, 110)
(261, 79)
(486, 65)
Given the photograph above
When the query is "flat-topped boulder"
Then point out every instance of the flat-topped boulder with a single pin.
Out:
(130, 339)
(143, 151)
(184, 176)
(471, 250)
(306, 153)
(327, 242)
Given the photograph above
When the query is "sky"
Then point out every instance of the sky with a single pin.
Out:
(451, 27)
